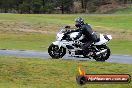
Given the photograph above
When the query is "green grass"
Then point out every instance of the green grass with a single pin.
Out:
(26, 41)
(110, 21)
(123, 47)
(10, 38)
(39, 73)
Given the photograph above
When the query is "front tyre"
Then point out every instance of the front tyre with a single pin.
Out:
(55, 52)
(103, 56)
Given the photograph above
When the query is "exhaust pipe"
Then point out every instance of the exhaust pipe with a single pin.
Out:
(102, 51)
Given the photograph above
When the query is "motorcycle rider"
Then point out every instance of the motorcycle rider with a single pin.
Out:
(86, 30)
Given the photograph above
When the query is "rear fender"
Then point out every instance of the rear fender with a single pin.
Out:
(109, 36)
(103, 39)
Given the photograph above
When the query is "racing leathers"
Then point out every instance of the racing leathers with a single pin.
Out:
(88, 33)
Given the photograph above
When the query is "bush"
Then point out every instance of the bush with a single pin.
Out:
(24, 7)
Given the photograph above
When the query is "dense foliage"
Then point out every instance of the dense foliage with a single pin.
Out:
(55, 6)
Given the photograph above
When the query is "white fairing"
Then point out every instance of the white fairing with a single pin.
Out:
(59, 36)
(56, 43)
(60, 42)
(74, 35)
(109, 36)
(63, 43)
(103, 40)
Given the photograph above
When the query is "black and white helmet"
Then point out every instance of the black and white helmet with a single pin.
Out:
(79, 22)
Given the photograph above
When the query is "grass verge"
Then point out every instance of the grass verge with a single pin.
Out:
(123, 47)
(39, 73)
(26, 41)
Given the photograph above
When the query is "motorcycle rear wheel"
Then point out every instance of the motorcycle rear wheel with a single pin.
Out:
(104, 56)
(55, 52)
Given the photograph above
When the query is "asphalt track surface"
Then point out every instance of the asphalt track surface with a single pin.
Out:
(123, 59)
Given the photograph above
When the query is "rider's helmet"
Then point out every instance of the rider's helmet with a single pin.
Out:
(79, 22)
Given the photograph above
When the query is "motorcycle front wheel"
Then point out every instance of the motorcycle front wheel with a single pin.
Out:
(55, 52)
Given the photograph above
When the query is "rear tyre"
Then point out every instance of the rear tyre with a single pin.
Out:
(104, 56)
(55, 52)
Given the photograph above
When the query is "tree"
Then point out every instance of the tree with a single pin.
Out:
(65, 5)
(50, 6)
(24, 7)
(36, 6)
(6, 5)
(84, 4)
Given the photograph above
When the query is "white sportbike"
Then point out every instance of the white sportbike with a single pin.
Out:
(65, 42)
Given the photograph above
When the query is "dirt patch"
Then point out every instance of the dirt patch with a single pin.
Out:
(14, 27)
(116, 34)
(37, 31)
(109, 8)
